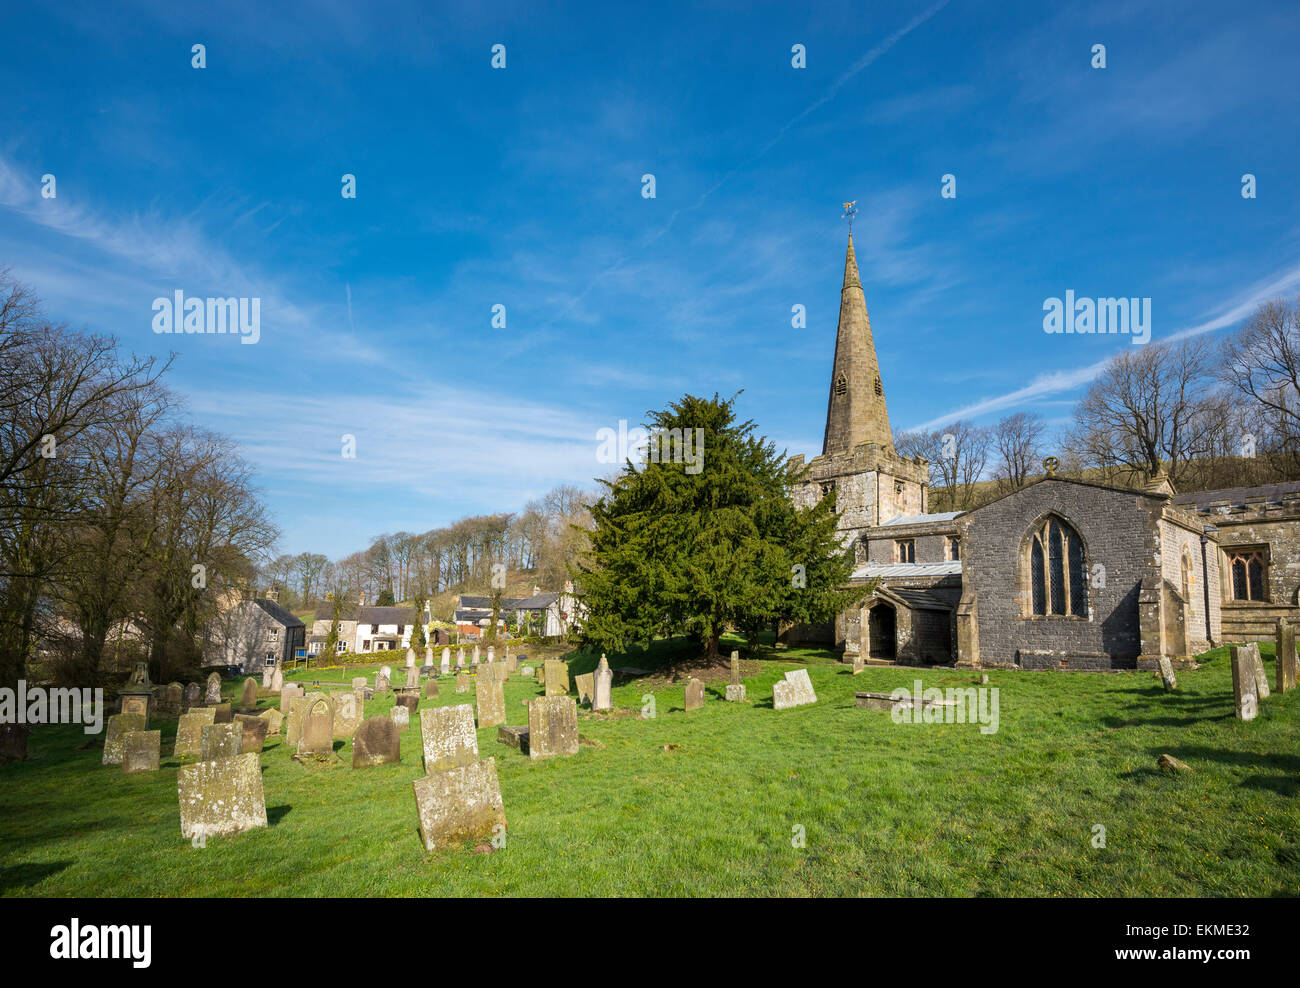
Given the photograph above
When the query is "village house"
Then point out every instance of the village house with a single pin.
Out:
(252, 634)
(363, 628)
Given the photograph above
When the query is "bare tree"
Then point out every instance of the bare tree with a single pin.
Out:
(1017, 440)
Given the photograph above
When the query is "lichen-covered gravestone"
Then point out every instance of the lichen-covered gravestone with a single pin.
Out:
(586, 684)
(266, 676)
(1286, 656)
(489, 693)
(552, 727)
(795, 690)
(382, 680)
(1261, 677)
(273, 719)
(254, 727)
(224, 715)
(378, 741)
(401, 716)
(556, 673)
(213, 694)
(430, 688)
(445, 665)
(294, 719)
(475, 656)
(448, 736)
(288, 694)
(317, 728)
(277, 680)
(193, 697)
(221, 797)
(170, 698)
(460, 804)
(735, 689)
(248, 695)
(602, 692)
(1167, 674)
(462, 682)
(348, 714)
(189, 731)
(140, 751)
(492, 653)
(410, 658)
(412, 677)
(359, 683)
(222, 741)
(410, 699)
(1244, 687)
(694, 694)
(115, 732)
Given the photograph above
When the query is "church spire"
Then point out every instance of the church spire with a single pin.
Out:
(855, 411)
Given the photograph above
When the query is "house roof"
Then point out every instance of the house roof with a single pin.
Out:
(326, 612)
(387, 615)
(1240, 496)
(922, 519)
(916, 599)
(880, 571)
(278, 613)
(538, 603)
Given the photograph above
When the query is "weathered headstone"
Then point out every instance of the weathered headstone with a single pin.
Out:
(552, 727)
(430, 688)
(462, 682)
(460, 804)
(735, 694)
(1286, 656)
(460, 657)
(359, 683)
(248, 696)
(446, 661)
(115, 732)
(475, 656)
(193, 696)
(212, 696)
(224, 715)
(140, 751)
(428, 655)
(274, 719)
(189, 731)
(602, 692)
(277, 680)
(288, 693)
(526, 671)
(491, 653)
(401, 716)
(221, 797)
(136, 695)
(489, 693)
(221, 741)
(255, 727)
(412, 678)
(556, 674)
(317, 728)
(515, 737)
(382, 680)
(293, 720)
(859, 664)
(735, 668)
(410, 657)
(266, 676)
(170, 698)
(1167, 674)
(795, 690)
(512, 663)
(448, 737)
(13, 742)
(586, 684)
(1261, 677)
(349, 711)
(1244, 688)
(378, 741)
(694, 694)
(410, 699)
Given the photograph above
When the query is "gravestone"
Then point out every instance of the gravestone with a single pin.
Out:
(460, 657)
(446, 661)
(349, 711)
(189, 731)
(556, 677)
(796, 690)
(448, 737)
(1244, 686)
(735, 668)
(317, 728)
(541, 674)
(221, 741)
(273, 719)
(525, 671)
(224, 715)
(410, 657)
(140, 751)
(694, 694)
(13, 742)
(428, 656)
(462, 682)
(511, 663)
(378, 741)
(288, 693)
(221, 797)
(136, 695)
(294, 721)
(1167, 674)
(586, 686)
(515, 737)
(489, 693)
(474, 656)
(409, 699)
(430, 688)
(359, 683)
(492, 653)
(1286, 656)
(277, 680)
(193, 696)
(212, 696)
(735, 691)
(859, 664)
(552, 727)
(602, 692)
(255, 728)
(170, 698)
(412, 678)
(401, 716)
(381, 680)
(248, 697)
(266, 676)
(115, 732)
(1261, 677)
(460, 804)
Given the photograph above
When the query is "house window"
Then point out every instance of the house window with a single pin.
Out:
(313, 648)
(905, 551)
(1248, 567)
(400, 628)
(374, 629)
(1057, 570)
(273, 634)
(341, 647)
(365, 645)
(954, 548)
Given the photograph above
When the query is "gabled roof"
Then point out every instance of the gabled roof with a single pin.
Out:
(538, 603)
(278, 613)
(387, 615)
(1240, 496)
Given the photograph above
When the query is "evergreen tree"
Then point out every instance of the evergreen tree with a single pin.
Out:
(707, 538)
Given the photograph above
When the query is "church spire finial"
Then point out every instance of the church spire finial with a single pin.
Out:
(849, 209)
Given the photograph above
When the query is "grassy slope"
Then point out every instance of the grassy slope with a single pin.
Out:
(888, 809)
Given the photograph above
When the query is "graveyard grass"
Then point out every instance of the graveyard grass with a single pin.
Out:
(888, 809)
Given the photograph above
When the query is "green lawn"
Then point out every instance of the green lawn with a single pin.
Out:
(888, 809)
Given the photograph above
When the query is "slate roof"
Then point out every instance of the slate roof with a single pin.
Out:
(1241, 496)
(922, 519)
(278, 613)
(884, 570)
(920, 599)
(538, 603)
(387, 615)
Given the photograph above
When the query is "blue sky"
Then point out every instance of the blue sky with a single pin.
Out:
(522, 187)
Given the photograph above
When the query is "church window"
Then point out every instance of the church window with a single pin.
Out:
(954, 548)
(828, 488)
(1249, 569)
(905, 551)
(841, 385)
(1057, 570)
(880, 390)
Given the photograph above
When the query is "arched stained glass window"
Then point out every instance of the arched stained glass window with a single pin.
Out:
(1058, 570)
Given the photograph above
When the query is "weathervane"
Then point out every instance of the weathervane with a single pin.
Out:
(849, 209)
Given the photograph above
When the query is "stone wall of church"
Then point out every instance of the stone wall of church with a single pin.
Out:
(1118, 531)
(1177, 542)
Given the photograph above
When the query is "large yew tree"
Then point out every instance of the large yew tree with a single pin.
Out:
(682, 548)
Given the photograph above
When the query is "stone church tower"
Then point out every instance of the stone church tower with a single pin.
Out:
(871, 482)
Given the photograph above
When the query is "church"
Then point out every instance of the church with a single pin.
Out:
(1061, 574)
